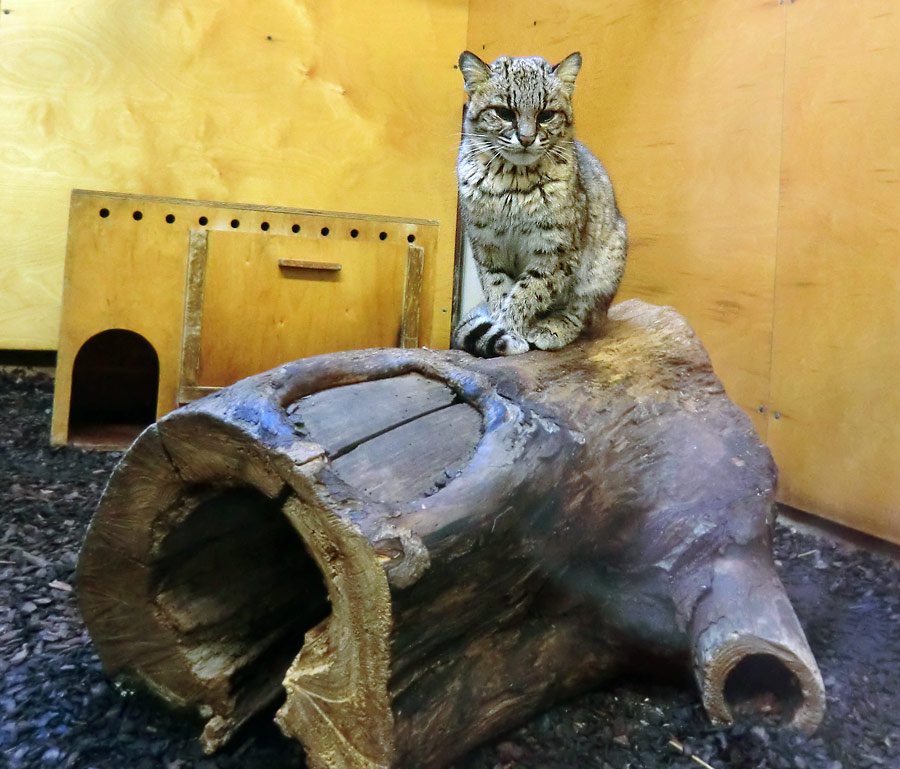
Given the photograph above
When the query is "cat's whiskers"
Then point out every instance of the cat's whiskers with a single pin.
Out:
(560, 150)
(473, 152)
(495, 152)
(476, 143)
(556, 153)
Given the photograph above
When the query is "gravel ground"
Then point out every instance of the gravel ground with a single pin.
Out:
(58, 710)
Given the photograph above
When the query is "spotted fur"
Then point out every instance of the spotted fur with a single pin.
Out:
(538, 209)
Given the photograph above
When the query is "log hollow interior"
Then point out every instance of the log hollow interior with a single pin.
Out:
(236, 583)
(762, 685)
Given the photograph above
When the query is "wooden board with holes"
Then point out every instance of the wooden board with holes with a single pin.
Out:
(266, 299)
(221, 291)
(834, 422)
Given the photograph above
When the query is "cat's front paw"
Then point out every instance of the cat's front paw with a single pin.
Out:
(545, 339)
(509, 344)
(554, 332)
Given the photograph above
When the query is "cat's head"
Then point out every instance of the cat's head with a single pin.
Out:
(520, 108)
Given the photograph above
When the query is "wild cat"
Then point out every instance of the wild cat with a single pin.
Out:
(538, 209)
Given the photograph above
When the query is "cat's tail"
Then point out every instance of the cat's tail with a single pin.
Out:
(479, 334)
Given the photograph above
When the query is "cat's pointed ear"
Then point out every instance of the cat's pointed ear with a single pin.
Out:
(474, 71)
(567, 69)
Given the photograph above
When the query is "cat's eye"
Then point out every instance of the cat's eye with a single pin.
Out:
(505, 113)
(546, 116)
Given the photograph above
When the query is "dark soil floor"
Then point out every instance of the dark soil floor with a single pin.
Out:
(58, 710)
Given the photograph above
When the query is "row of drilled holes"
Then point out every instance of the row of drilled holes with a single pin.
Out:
(264, 226)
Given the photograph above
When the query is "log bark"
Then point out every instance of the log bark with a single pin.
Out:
(415, 550)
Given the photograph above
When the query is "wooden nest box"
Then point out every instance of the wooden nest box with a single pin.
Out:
(412, 551)
(166, 300)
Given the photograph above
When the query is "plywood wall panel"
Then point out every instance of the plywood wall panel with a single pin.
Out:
(326, 105)
(836, 362)
(682, 102)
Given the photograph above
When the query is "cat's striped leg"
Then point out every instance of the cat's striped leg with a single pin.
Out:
(496, 285)
(531, 308)
(480, 334)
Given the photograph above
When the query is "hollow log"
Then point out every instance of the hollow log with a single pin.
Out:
(415, 550)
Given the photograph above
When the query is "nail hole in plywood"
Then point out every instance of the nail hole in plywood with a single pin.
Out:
(137, 216)
(411, 238)
(325, 232)
(104, 212)
(264, 226)
(354, 233)
(170, 218)
(295, 228)
(203, 221)
(382, 236)
(235, 223)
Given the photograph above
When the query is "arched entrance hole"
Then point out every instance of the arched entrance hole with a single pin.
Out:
(115, 383)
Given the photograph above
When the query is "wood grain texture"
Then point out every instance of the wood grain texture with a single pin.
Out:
(682, 103)
(836, 362)
(257, 316)
(198, 251)
(415, 458)
(299, 104)
(412, 293)
(332, 417)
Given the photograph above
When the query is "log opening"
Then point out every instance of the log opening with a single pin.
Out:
(235, 582)
(762, 685)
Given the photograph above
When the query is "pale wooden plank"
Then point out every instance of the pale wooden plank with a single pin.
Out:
(302, 264)
(198, 249)
(414, 459)
(836, 360)
(342, 416)
(412, 291)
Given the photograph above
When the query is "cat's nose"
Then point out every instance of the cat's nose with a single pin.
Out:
(526, 140)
